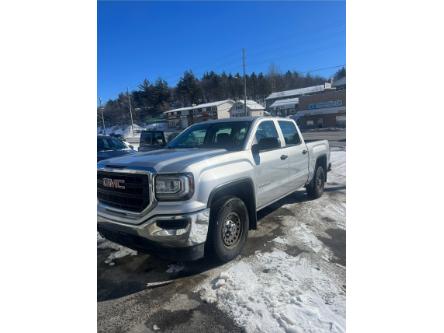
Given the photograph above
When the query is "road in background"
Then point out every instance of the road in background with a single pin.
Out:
(336, 138)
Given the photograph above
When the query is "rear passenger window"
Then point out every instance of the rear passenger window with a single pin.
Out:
(290, 133)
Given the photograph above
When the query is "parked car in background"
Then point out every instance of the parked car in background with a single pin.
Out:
(200, 195)
(151, 140)
(118, 136)
(110, 146)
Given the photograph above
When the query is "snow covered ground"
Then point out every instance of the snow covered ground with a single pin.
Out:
(124, 130)
(275, 291)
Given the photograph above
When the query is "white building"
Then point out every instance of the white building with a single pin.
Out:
(284, 107)
(186, 116)
(254, 109)
(313, 90)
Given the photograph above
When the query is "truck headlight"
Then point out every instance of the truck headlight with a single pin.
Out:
(174, 187)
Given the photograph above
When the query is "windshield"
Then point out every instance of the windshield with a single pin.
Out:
(229, 135)
(110, 143)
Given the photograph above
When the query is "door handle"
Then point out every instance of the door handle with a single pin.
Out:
(284, 157)
(305, 151)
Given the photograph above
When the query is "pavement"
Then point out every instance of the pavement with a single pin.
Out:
(336, 138)
(142, 293)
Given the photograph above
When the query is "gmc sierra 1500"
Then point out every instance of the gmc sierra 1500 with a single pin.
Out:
(199, 196)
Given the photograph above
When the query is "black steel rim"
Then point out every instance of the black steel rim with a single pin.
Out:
(231, 229)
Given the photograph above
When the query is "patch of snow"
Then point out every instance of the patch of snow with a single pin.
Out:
(338, 169)
(155, 327)
(276, 292)
(124, 130)
(119, 250)
(120, 253)
(301, 236)
(173, 268)
(219, 283)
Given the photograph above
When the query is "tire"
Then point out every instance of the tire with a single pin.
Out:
(228, 230)
(316, 187)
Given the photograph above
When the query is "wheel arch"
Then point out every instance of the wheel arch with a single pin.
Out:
(322, 161)
(242, 188)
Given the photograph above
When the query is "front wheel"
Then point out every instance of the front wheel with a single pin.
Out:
(228, 228)
(316, 187)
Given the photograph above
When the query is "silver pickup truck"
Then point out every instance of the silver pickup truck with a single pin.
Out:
(199, 196)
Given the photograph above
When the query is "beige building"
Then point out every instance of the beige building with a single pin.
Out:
(254, 109)
(186, 116)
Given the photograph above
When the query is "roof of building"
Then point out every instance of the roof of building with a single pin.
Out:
(205, 105)
(236, 119)
(252, 105)
(285, 102)
(300, 91)
(339, 82)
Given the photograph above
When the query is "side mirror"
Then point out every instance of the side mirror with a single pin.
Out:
(265, 144)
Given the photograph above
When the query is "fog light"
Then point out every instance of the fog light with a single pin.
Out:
(172, 224)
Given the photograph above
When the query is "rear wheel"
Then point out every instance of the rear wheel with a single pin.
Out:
(316, 187)
(228, 228)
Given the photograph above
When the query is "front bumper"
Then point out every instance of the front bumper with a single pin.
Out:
(180, 237)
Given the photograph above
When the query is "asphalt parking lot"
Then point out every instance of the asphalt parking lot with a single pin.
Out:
(141, 293)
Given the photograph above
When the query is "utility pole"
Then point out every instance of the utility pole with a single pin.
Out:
(245, 82)
(131, 111)
(103, 119)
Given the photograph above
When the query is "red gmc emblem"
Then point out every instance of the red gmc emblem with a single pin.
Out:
(114, 183)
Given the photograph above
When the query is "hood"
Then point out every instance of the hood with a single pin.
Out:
(102, 155)
(163, 160)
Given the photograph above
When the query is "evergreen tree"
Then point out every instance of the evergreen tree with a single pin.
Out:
(151, 100)
(339, 74)
(188, 89)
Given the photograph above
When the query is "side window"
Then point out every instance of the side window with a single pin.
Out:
(290, 133)
(266, 129)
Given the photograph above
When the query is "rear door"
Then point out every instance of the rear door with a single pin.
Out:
(297, 155)
(271, 171)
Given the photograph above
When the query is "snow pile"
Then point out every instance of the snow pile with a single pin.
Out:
(300, 234)
(337, 173)
(121, 130)
(174, 268)
(119, 250)
(276, 292)
(120, 253)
